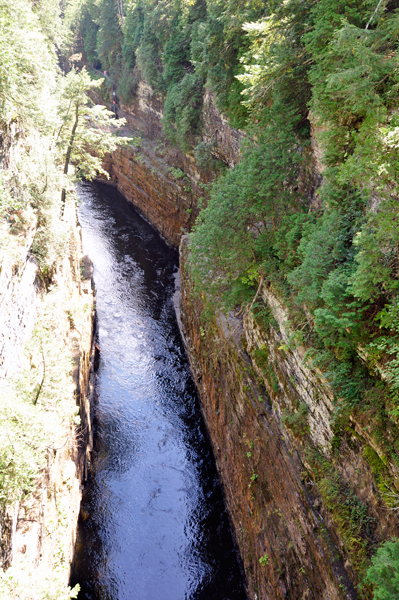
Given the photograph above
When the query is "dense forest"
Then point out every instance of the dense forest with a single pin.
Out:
(291, 74)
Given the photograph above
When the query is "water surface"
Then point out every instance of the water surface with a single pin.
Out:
(153, 524)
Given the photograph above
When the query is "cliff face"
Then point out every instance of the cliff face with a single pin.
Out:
(38, 530)
(19, 291)
(306, 500)
(165, 184)
(293, 501)
(276, 515)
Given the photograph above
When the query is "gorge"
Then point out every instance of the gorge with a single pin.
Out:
(153, 522)
(261, 140)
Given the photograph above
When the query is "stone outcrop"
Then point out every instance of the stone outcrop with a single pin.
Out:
(268, 416)
(19, 293)
(152, 178)
(275, 514)
(166, 185)
(225, 140)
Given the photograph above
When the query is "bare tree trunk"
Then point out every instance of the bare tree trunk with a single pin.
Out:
(68, 155)
(257, 292)
(119, 10)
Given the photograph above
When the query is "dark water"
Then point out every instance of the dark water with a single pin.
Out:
(153, 524)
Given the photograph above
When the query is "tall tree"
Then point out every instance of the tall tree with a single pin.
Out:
(85, 134)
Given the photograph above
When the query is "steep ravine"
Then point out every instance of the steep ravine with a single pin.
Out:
(268, 415)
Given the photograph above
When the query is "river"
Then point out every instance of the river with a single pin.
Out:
(153, 525)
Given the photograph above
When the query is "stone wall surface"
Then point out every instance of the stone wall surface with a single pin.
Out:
(226, 141)
(275, 514)
(39, 532)
(250, 377)
(19, 291)
(154, 182)
(165, 184)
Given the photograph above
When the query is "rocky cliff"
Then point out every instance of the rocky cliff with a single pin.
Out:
(166, 185)
(309, 502)
(306, 515)
(38, 530)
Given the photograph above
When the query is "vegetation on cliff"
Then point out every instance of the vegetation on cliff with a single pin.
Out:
(291, 74)
(46, 124)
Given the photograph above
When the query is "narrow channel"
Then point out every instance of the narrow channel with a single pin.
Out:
(153, 525)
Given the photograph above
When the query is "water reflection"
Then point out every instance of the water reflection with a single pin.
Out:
(153, 524)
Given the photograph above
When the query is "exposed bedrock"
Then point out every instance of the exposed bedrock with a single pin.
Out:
(306, 518)
(34, 528)
(166, 185)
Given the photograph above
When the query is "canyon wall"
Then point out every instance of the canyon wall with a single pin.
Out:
(166, 185)
(305, 516)
(38, 531)
(306, 499)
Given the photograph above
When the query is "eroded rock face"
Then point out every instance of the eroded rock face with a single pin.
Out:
(226, 140)
(38, 533)
(165, 194)
(269, 416)
(267, 412)
(19, 289)
(287, 544)
(166, 185)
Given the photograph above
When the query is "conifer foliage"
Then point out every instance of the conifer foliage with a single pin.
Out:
(286, 72)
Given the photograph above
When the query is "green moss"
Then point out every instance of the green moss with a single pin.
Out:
(383, 478)
(297, 421)
(261, 358)
(349, 513)
(263, 316)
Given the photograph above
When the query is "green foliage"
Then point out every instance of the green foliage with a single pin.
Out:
(382, 476)
(27, 70)
(337, 268)
(35, 405)
(109, 37)
(275, 63)
(297, 421)
(264, 560)
(350, 514)
(36, 584)
(205, 159)
(177, 173)
(245, 209)
(182, 110)
(377, 255)
(85, 135)
(383, 574)
(319, 250)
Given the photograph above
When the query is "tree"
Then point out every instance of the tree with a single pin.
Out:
(84, 136)
(384, 571)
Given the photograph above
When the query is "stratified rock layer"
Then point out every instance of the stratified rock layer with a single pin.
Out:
(39, 531)
(166, 185)
(268, 414)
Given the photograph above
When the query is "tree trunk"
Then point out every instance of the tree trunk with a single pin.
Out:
(68, 155)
